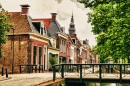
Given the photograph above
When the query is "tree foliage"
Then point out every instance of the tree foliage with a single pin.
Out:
(4, 27)
(53, 59)
(110, 20)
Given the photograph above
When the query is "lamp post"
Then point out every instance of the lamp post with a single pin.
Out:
(13, 52)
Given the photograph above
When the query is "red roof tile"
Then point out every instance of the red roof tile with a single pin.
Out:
(46, 21)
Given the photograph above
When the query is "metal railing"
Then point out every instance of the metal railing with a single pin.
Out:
(100, 70)
(31, 67)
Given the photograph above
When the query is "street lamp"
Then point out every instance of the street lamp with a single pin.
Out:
(13, 52)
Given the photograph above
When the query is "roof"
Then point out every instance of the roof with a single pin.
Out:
(54, 28)
(51, 25)
(45, 20)
(22, 23)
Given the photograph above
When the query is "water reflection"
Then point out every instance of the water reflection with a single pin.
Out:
(106, 84)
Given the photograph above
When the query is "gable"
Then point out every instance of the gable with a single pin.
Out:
(20, 22)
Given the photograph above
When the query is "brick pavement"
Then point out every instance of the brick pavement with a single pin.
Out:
(25, 79)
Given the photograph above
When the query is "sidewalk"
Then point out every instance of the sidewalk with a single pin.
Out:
(2, 78)
(25, 79)
(30, 79)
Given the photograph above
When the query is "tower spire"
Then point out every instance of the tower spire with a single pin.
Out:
(72, 19)
(72, 25)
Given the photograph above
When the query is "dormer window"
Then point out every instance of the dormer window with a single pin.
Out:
(40, 27)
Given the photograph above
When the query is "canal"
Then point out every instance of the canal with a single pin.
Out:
(96, 84)
(106, 84)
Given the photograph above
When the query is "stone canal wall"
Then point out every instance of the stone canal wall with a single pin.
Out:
(57, 82)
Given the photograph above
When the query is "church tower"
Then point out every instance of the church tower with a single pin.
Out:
(72, 26)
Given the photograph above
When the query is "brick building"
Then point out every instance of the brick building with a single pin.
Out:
(30, 42)
(58, 32)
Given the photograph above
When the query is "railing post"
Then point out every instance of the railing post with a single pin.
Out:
(32, 69)
(39, 68)
(124, 69)
(35, 69)
(2, 71)
(62, 70)
(6, 73)
(100, 72)
(70, 69)
(120, 73)
(108, 69)
(80, 72)
(77, 68)
(29, 69)
(54, 73)
(42, 68)
(20, 68)
(93, 69)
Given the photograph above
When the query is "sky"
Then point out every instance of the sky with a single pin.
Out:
(63, 8)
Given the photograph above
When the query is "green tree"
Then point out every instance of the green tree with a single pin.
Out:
(110, 20)
(4, 27)
(53, 59)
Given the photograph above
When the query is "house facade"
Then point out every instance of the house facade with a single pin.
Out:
(27, 43)
(86, 51)
(52, 52)
(57, 32)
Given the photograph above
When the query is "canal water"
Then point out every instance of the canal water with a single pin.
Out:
(106, 84)
(96, 84)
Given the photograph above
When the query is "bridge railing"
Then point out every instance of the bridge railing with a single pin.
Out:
(119, 69)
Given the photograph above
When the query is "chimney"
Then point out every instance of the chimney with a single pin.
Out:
(24, 8)
(53, 16)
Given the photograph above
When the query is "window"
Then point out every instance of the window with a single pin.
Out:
(65, 46)
(60, 41)
(74, 41)
(34, 54)
(40, 55)
(71, 26)
(45, 31)
(42, 31)
(64, 42)
(61, 45)
(44, 50)
(71, 31)
(45, 60)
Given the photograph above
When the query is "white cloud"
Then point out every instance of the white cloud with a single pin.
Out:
(43, 8)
